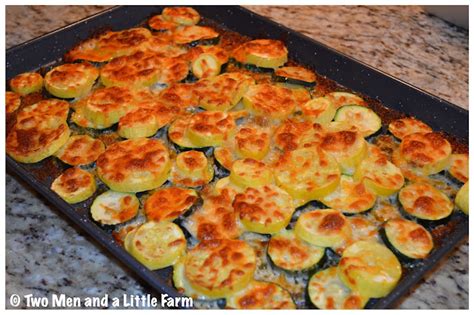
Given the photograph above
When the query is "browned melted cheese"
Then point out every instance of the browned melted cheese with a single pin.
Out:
(296, 73)
(169, 203)
(74, 179)
(271, 100)
(260, 47)
(405, 126)
(424, 148)
(158, 23)
(291, 133)
(81, 150)
(12, 102)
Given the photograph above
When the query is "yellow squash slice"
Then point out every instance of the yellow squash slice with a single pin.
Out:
(250, 173)
(192, 169)
(409, 238)
(340, 99)
(210, 128)
(206, 66)
(320, 110)
(263, 53)
(80, 150)
(252, 142)
(159, 23)
(189, 34)
(168, 204)
(462, 198)
(74, 185)
(459, 166)
(71, 80)
(406, 126)
(261, 295)
(269, 100)
(27, 83)
(114, 207)
(181, 15)
(12, 102)
(296, 74)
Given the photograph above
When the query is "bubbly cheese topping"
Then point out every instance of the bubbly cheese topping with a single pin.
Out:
(210, 128)
(326, 291)
(423, 201)
(113, 207)
(218, 268)
(54, 108)
(26, 83)
(406, 126)
(167, 204)
(134, 165)
(266, 53)
(80, 150)
(192, 169)
(293, 134)
(12, 102)
(459, 166)
(192, 33)
(71, 80)
(74, 185)
(409, 238)
(296, 73)
(181, 15)
(261, 295)
(269, 100)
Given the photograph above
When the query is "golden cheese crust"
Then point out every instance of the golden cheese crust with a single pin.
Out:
(459, 166)
(74, 185)
(167, 204)
(159, 23)
(252, 142)
(191, 33)
(12, 102)
(265, 53)
(71, 80)
(406, 126)
(80, 150)
(293, 134)
(54, 108)
(296, 73)
(261, 295)
(134, 165)
(210, 128)
(112, 207)
(269, 100)
(181, 15)
(218, 268)
(409, 238)
(192, 169)
(26, 83)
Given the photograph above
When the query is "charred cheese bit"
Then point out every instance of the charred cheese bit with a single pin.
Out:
(141, 69)
(114, 207)
(296, 75)
(105, 106)
(80, 150)
(362, 117)
(350, 196)
(71, 80)
(269, 100)
(134, 165)
(223, 92)
(408, 238)
(35, 138)
(291, 253)
(191, 34)
(427, 152)
(425, 202)
(293, 134)
(340, 99)
(181, 15)
(459, 166)
(74, 185)
(192, 169)
(206, 66)
(369, 268)
(266, 209)
(261, 295)
(252, 142)
(157, 244)
(210, 128)
(26, 83)
(159, 23)
(379, 174)
(219, 268)
(216, 219)
(307, 173)
(324, 227)
(406, 126)
(264, 53)
(12, 102)
(250, 173)
(462, 198)
(320, 110)
(347, 146)
(326, 291)
(167, 204)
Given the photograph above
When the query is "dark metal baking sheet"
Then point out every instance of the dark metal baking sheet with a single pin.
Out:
(439, 114)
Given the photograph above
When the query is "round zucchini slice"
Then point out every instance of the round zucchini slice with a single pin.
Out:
(462, 198)
(363, 118)
(340, 99)
(261, 295)
(54, 108)
(194, 34)
(350, 196)
(250, 173)
(159, 23)
(252, 142)
(324, 227)
(293, 134)
(269, 100)
(408, 238)
(459, 167)
(266, 209)
(425, 202)
(290, 253)
(222, 92)
(168, 204)
(263, 53)
(74, 185)
(134, 165)
(139, 70)
(12, 102)
(219, 268)
(225, 156)
(71, 80)
(326, 291)
(348, 147)
(177, 132)
(27, 83)
(114, 207)
(369, 268)
(320, 110)
(80, 150)
(427, 152)
(139, 123)
(181, 15)
(210, 128)
(206, 66)
(157, 244)
(379, 174)
(192, 169)
(406, 126)
(307, 173)
(172, 70)
(296, 75)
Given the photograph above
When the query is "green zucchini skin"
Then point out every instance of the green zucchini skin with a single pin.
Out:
(204, 42)
(428, 224)
(251, 67)
(311, 270)
(281, 79)
(403, 258)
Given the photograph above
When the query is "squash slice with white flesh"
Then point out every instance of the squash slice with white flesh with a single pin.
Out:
(74, 185)
(114, 207)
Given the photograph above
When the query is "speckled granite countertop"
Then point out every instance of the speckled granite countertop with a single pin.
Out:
(46, 254)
